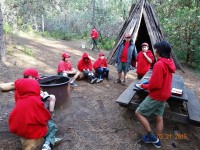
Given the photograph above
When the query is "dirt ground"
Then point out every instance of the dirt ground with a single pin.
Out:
(93, 121)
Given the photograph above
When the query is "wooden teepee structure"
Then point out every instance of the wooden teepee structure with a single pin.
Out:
(143, 26)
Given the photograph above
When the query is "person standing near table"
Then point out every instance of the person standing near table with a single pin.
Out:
(126, 53)
(144, 60)
(159, 88)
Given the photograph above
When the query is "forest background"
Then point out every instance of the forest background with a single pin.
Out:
(73, 20)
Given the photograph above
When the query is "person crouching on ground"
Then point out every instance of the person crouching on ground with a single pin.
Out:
(29, 119)
(85, 67)
(65, 68)
(101, 67)
(144, 60)
(159, 88)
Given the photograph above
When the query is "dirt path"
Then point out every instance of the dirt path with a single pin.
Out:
(93, 121)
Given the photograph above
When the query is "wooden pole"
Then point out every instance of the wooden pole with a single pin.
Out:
(93, 14)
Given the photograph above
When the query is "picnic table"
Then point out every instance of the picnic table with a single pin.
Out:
(184, 108)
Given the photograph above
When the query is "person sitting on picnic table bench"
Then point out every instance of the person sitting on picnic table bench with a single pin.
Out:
(101, 67)
(144, 60)
(159, 87)
(65, 68)
(85, 67)
(29, 119)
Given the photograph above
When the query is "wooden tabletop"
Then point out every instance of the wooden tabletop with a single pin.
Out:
(177, 82)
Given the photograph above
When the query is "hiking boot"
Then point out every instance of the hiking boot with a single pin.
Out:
(99, 80)
(118, 81)
(124, 82)
(93, 80)
(73, 84)
(150, 139)
(157, 145)
(46, 147)
(58, 140)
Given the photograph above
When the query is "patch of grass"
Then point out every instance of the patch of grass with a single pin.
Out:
(27, 50)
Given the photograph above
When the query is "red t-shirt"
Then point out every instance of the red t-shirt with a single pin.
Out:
(125, 52)
(143, 65)
(64, 66)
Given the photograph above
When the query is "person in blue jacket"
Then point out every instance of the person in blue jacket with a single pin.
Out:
(126, 53)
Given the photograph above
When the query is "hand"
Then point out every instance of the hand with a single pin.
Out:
(144, 53)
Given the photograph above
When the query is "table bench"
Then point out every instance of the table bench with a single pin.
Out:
(182, 108)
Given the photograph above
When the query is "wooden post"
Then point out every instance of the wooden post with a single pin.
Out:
(2, 38)
(42, 23)
(93, 14)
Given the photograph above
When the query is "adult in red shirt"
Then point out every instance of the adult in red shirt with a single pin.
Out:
(29, 118)
(85, 68)
(101, 67)
(94, 36)
(144, 60)
(126, 53)
(65, 68)
(159, 88)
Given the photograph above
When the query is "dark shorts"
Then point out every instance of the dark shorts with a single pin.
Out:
(121, 66)
(94, 41)
(150, 106)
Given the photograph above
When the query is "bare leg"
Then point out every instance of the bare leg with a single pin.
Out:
(81, 76)
(159, 124)
(75, 76)
(143, 121)
(119, 75)
(52, 101)
(125, 76)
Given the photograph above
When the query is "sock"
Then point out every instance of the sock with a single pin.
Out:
(47, 142)
(150, 133)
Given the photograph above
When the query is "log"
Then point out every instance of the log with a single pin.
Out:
(6, 87)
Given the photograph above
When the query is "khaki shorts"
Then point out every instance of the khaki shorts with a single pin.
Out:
(150, 106)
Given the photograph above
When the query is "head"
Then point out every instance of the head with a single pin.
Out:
(101, 55)
(85, 57)
(65, 56)
(31, 73)
(127, 37)
(145, 47)
(162, 49)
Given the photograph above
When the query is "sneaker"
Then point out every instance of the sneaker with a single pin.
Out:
(58, 140)
(118, 81)
(93, 80)
(46, 147)
(138, 86)
(147, 139)
(124, 83)
(158, 144)
(99, 80)
(73, 84)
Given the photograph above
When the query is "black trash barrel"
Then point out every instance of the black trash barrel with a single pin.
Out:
(58, 86)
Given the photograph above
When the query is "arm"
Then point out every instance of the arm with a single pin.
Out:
(147, 57)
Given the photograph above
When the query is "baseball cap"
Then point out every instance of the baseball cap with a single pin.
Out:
(127, 35)
(65, 55)
(31, 72)
(145, 44)
(101, 54)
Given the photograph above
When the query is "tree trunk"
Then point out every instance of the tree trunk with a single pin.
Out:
(2, 39)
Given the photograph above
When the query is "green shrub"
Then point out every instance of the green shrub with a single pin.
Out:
(7, 28)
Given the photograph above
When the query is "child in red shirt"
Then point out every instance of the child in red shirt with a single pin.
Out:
(85, 68)
(144, 60)
(94, 36)
(159, 87)
(101, 67)
(65, 68)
